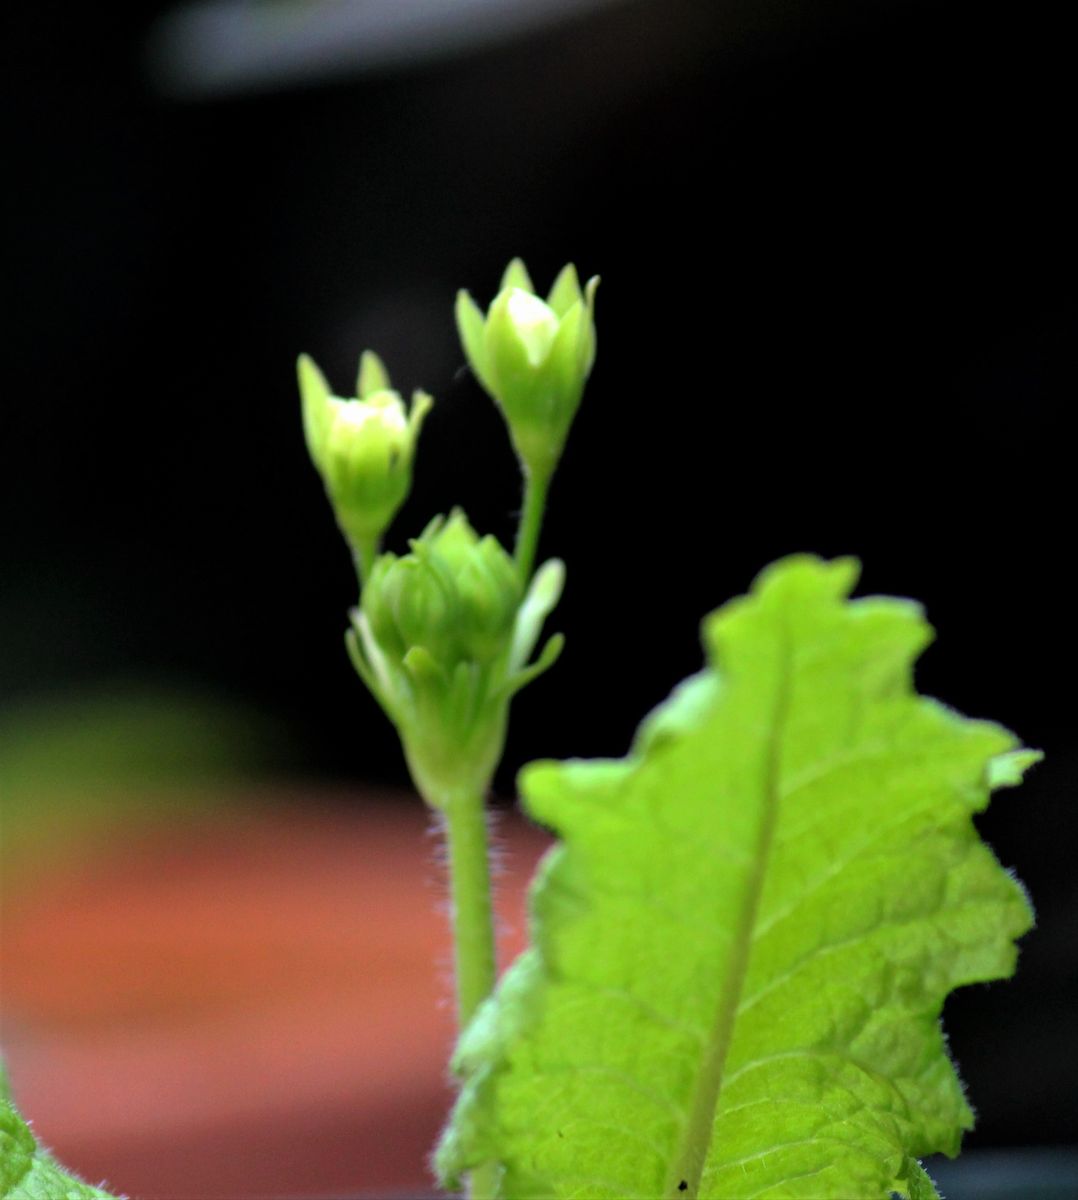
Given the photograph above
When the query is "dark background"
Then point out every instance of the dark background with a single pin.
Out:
(837, 314)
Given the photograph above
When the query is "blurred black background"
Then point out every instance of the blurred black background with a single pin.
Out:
(837, 314)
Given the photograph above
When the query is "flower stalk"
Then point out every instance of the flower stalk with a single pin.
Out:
(444, 635)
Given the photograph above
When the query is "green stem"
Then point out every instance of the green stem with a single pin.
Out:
(363, 555)
(483, 1182)
(536, 486)
(473, 931)
(473, 917)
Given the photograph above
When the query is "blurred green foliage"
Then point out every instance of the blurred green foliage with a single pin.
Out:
(73, 769)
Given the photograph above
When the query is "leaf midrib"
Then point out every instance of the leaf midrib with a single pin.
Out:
(688, 1162)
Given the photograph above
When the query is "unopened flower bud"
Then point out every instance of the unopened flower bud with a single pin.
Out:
(455, 595)
(363, 448)
(533, 356)
(443, 637)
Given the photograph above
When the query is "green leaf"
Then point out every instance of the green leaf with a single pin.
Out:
(742, 946)
(26, 1171)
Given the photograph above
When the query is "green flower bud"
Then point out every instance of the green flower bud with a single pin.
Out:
(443, 638)
(533, 357)
(455, 595)
(362, 448)
(488, 588)
(409, 605)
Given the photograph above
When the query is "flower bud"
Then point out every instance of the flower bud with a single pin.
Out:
(443, 637)
(362, 448)
(455, 595)
(533, 356)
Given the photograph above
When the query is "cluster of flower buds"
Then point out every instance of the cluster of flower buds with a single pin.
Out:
(456, 595)
(442, 637)
(533, 357)
(363, 448)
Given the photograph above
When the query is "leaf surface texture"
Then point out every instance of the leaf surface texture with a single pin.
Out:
(27, 1172)
(742, 944)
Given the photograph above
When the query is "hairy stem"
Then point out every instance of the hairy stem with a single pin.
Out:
(536, 486)
(473, 920)
(473, 930)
